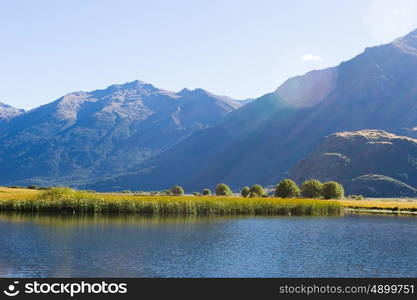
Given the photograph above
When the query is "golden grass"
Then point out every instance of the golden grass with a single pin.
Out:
(21, 199)
(380, 204)
(17, 193)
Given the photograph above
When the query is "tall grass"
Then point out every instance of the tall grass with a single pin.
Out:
(380, 204)
(70, 201)
(16, 193)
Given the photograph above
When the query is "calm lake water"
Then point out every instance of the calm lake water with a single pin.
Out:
(129, 246)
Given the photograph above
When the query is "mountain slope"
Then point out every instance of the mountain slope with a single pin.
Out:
(260, 142)
(379, 186)
(349, 157)
(86, 134)
(7, 112)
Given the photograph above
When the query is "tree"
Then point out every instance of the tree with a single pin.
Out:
(332, 190)
(311, 188)
(207, 192)
(177, 190)
(287, 189)
(196, 194)
(245, 192)
(256, 191)
(223, 190)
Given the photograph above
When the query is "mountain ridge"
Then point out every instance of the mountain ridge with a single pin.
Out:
(7, 111)
(83, 134)
(375, 89)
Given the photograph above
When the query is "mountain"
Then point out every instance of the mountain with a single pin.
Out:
(260, 142)
(369, 162)
(245, 101)
(85, 134)
(380, 186)
(7, 112)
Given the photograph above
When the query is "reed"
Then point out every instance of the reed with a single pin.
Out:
(381, 204)
(65, 200)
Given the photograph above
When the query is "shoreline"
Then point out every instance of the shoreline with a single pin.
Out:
(376, 211)
(66, 200)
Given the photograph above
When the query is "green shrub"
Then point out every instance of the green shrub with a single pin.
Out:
(57, 193)
(223, 190)
(32, 187)
(207, 192)
(332, 190)
(287, 189)
(256, 191)
(196, 194)
(311, 189)
(245, 192)
(177, 190)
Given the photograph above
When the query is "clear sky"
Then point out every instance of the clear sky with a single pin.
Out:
(233, 47)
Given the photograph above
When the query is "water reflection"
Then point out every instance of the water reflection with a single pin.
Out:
(70, 220)
(129, 245)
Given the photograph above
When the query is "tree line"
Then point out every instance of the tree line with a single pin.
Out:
(286, 188)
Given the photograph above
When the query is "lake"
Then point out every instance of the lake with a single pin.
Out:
(133, 246)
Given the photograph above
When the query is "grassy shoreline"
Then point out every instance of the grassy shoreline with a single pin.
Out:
(377, 211)
(70, 201)
(383, 206)
(62, 200)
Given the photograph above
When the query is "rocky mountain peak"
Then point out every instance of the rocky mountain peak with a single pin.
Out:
(7, 111)
(408, 43)
(192, 92)
(103, 131)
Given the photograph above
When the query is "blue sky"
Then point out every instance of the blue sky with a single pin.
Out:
(238, 48)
